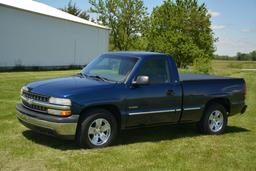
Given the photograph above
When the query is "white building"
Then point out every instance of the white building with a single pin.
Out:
(35, 34)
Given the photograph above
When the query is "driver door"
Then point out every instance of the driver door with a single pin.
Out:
(156, 102)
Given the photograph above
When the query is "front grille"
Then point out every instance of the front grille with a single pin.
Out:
(34, 107)
(37, 97)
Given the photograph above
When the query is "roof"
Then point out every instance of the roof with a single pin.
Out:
(43, 9)
(141, 54)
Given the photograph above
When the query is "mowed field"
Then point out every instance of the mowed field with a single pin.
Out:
(178, 147)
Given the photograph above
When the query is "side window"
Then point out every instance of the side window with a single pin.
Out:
(156, 69)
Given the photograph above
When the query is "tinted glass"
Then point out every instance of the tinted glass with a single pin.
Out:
(112, 67)
(156, 69)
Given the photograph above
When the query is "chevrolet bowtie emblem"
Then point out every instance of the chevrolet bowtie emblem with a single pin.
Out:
(30, 101)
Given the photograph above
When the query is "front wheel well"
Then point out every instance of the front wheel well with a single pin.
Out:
(222, 101)
(111, 108)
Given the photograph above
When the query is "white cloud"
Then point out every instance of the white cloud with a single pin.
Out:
(214, 13)
(218, 27)
(248, 30)
(230, 46)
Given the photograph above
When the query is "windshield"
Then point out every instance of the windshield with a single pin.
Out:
(110, 67)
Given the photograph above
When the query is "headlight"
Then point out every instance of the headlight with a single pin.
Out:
(24, 88)
(60, 101)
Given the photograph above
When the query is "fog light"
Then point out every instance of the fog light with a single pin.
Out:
(59, 112)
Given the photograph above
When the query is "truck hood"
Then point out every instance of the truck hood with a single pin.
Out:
(66, 86)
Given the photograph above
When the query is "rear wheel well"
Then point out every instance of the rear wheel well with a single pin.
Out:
(111, 108)
(222, 101)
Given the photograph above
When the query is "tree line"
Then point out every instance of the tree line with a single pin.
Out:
(251, 56)
(181, 28)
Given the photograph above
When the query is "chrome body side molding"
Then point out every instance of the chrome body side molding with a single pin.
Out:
(163, 111)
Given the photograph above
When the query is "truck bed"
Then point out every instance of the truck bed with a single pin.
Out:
(199, 89)
(193, 77)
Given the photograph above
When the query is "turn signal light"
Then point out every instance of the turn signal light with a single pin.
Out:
(59, 112)
(65, 113)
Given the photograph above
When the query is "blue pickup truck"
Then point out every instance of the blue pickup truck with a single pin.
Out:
(122, 90)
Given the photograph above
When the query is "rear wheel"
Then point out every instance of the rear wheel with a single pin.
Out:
(97, 130)
(214, 120)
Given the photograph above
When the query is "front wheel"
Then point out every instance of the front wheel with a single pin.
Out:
(214, 120)
(97, 130)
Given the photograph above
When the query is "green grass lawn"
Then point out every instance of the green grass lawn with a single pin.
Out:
(164, 148)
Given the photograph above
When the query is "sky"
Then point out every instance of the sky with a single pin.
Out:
(233, 22)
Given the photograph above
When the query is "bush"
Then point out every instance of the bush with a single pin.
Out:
(202, 65)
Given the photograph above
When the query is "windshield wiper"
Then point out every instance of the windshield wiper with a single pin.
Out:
(100, 78)
(81, 74)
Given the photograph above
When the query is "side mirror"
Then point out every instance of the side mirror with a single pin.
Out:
(141, 80)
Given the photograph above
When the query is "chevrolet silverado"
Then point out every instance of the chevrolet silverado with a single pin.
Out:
(122, 90)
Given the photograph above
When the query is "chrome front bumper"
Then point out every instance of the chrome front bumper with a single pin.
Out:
(61, 127)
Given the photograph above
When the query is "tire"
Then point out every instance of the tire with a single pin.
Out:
(98, 129)
(214, 120)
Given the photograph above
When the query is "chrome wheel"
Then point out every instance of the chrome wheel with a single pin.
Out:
(215, 121)
(99, 131)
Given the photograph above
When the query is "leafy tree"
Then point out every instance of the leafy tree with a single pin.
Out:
(202, 65)
(241, 56)
(253, 55)
(181, 28)
(124, 17)
(84, 15)
(246, 56)
(71, 8)
(223, 57)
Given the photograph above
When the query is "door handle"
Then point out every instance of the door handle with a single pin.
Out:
(170, 92)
